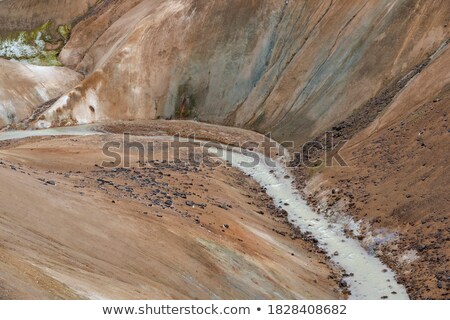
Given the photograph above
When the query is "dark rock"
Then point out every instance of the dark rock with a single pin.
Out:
(181, 195)
(102, 182)
(190, 203)
(281, 233)
(223, 206)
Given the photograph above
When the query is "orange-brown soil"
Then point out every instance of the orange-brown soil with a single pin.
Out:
(396, 183)
(72, 228)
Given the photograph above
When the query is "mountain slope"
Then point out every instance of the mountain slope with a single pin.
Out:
(396, 182)
(291, 67)
(20, 15)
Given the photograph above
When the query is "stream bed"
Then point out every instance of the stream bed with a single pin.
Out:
(370, 279)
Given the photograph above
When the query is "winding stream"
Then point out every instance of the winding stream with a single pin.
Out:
(371, 279)
(81, 130)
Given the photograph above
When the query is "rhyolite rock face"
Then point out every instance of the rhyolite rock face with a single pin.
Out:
(34, 32)
(293, 68)
(290, 67)
(21, 15)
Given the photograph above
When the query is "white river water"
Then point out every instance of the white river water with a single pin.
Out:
(371, 278)
(81, 130)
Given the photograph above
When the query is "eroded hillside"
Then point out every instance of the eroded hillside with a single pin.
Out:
(26, 86)
(375, 73)
(290, 67)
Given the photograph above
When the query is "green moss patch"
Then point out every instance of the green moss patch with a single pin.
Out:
(64, 31)
(46, 58)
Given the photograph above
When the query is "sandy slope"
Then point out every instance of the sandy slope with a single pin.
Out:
(82, 238)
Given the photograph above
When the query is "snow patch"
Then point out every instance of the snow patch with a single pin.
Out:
(20, 48)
